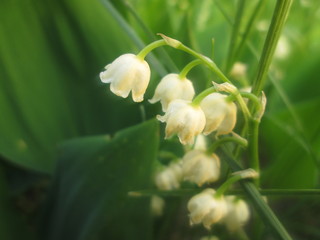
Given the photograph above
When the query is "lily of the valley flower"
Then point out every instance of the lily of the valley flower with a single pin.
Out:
(207, 209)
(172, 87)
(221, 115)
(199, 167)
(170, 177)
(184, 119)
(127, 73)
(238, 213)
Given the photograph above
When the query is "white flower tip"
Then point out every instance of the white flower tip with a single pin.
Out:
(170, 41)
(137, 98)
(247, 173)
(153, 100)
(161, 118)
(103, 78)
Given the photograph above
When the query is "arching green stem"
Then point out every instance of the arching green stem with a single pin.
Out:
(202, 95)
(144, 52)
(238, 140)
(254, 100)
(225, 186)
(188, 67)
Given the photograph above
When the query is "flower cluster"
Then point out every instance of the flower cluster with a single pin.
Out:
(189, 117)
(131, 73)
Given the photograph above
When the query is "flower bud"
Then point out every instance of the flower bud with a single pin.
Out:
(221, 115)
(172, 87)
(184, 119)
(170, 41)
(200, 168)
(170, 177)
(238, 213)
(207, 209)
(127, 73)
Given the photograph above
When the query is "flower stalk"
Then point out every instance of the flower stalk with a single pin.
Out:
(188, 67)
(144, 52)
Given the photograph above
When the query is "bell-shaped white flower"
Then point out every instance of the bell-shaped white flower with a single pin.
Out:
(221, 115)
(127, 73)
(184, 119)
(207, 209)
(238, 213)
(172, 87)
(199, 167)
(170, 177)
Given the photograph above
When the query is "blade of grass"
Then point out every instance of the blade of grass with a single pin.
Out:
(247, 31)
(235, 34)
(280, 15)
(191, 192)
(298, 124)
(265, 212)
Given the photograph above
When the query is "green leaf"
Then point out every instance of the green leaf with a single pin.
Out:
(89, 197)
(50, 56)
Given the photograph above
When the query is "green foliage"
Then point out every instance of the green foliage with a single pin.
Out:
(89, 196)
(51, 53)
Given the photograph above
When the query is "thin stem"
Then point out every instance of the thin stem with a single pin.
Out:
(224, 187)
(279, 17)
(244, 107)
(237, 192)
(147, 49)
(255, 14)
(235, 33)
(202, 95)
(207, 61)
(240, 141)
(261, 206)
(254, 99)
(253, 133)
(188, 67)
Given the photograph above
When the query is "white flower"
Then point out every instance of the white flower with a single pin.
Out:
(170, 177)
(127, 73)
(238, 213)
(239, 70)
(172, 87)
(184, 119)
(200, 168)
(207, 209)
(157, 204)
(221, 116)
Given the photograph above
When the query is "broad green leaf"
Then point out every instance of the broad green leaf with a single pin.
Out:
(89, 196)
(51, 54)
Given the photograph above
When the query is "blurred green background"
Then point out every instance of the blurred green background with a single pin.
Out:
(51, 53)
